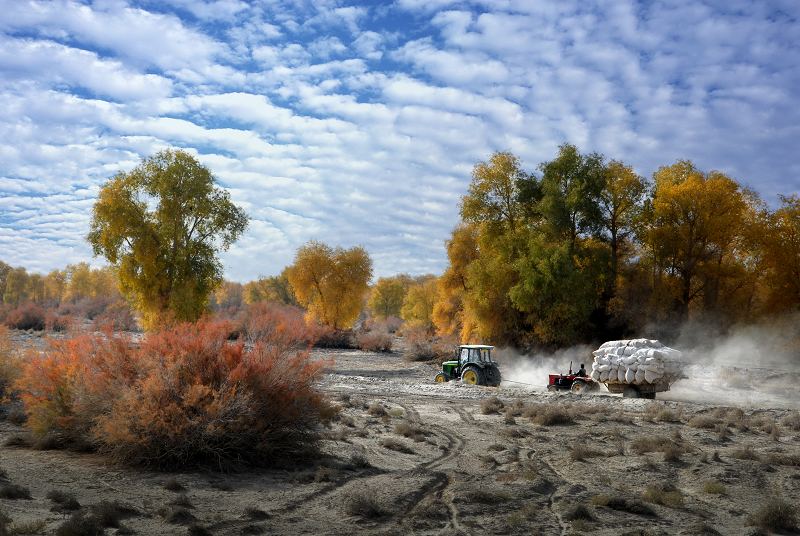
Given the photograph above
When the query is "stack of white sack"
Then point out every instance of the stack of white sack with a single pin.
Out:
(636, 361)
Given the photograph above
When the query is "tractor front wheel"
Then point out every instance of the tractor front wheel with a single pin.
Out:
(472, 376)
(440, 378)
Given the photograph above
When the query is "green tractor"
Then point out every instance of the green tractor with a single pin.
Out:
(472, 364)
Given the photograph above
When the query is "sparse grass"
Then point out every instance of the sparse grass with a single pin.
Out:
(672, 453)
(513, 432)
(714, 487)
(580, 452)
(63, 501)
(397, 413)
(324, 474)
(779, 458)
(398, 446)
(172, 484)
(410, 430)
(110, 513)
(654, 443)
(359, 461)
(182, 500)
(18, 441)
(775, 515)
(365, 505)
(483, 496)
(28, 527)
(792, 421)
(508, 416)
(491, 405)
(13, 492)
(177, 515)
(497, 447)
(663, 494)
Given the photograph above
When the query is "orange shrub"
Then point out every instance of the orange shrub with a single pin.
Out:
(277, 324)
(421, 346)
(118, 316)
(58, 322)
(185, 397)
(374, 341)
(26, 316)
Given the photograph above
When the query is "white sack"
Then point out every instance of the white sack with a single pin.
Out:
(621, 375)
(630, 376)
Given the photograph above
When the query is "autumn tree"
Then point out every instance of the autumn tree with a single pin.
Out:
(387, 295)
(331, 282)
(162, 226)
(693, 226)
(16, 288)
(448, 310)
(780, 246)
(229, 294)
(493, 197)
(620, 202)
(273, 288)
(54, 285)
(417, 309)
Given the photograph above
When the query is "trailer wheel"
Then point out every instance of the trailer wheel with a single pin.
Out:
(631, 392)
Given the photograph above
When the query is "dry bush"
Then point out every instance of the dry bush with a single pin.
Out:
(549, 414)
(374, 341)
(13, 492)
(36, 526)
(256, 514)
(376, 410)
(663, 494)
(776, 515)
(172, 484)
(410, 430)
(364, 504)
(118, 316)
(578, 511)
(327, 337)
(58, 323)
(63, 501)
(80, 524)
(792, 421)
(491, 405)
(655, 443)
(745, 453)
(580, 452)
(787, 460)
(398, 446)
(185, 397)
(672, 453)
(704, 422)
(421, 346)
(623, 504)
(26, 316)
(276, 324)
(714, 487)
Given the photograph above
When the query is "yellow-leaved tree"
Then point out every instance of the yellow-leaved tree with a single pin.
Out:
(161, 225)
(417, 310)
(387, 295)
(331, 283)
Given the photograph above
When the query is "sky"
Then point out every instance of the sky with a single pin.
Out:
(358, 123)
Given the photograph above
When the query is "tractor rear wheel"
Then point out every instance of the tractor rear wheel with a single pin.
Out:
(579, 387)
(492, 376)
(472, 376)
(440, 378)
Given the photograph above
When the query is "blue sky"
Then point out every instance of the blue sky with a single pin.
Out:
(359, 123)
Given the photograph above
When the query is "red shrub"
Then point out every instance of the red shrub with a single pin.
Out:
(421, 346)
(118, 316)
(374, 341)
(26, 316)
(186, 397)
(57, 322)
(276, 324)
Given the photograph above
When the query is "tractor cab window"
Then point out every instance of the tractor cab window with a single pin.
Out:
(485, 355)
(464, 355)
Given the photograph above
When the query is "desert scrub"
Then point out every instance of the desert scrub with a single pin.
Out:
(376, 410)
(398, 446)
(580, 452)
(616, 502)
(704, 422)
(775, 515)
(185, 397)
(374, 341)
(421, 346)
(410, 430)
(663, 494)
(491, 405)
(364, 504)
(549, 414)
(714, 487)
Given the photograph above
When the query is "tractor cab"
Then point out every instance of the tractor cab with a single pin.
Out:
(473, 364)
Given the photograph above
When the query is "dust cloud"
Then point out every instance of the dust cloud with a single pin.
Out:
(754, 366)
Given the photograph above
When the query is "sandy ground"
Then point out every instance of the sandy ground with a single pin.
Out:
(407, 456)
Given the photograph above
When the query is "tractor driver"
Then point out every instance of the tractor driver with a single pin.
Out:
(582, 371)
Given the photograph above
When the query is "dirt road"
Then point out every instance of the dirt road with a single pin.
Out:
(407, 456)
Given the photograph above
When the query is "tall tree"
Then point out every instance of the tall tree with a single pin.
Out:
(331, 282)
(572, 185)
(273, 288)
(17, 290)
(161, 226)
(620, 203)
(387, 295)
(494, 197)
(448, 310)
(694, 222)
(780, 246)
(417, 309)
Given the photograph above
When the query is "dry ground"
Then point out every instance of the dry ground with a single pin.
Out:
(409, 457)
